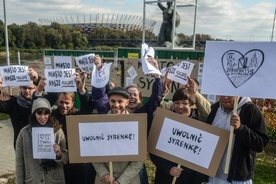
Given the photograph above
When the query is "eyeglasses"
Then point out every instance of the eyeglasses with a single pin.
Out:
(25, 88)
(42, 111)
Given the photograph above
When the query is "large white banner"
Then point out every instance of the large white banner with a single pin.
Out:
(240, 69)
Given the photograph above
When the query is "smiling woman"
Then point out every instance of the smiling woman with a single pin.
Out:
(41, 169)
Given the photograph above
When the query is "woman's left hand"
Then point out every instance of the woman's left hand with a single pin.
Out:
(57, 150)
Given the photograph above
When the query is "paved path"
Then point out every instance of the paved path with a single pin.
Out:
(7, 154)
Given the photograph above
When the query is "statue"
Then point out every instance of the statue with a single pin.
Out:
(165, 34)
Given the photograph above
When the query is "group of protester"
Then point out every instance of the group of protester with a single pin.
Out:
(34, 108)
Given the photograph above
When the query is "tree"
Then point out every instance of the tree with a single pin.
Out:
(77, 39)
(53, 39)
(32, 32)
(2, 35)
(19, 34)
(1, 23)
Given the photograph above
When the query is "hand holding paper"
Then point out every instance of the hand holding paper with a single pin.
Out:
(80, 78)
(180, 72)
(85, 63)
(191, 86)
(147, 54)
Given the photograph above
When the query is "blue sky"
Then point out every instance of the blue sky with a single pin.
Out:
(241, 20)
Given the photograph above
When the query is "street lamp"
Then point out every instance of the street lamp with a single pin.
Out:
(7, 41)
(6, 36)
(273, 24)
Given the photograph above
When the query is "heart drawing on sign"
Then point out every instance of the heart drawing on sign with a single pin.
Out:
(239, 68)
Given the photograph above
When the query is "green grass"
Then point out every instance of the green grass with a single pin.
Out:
(265, 170)
(4, 116)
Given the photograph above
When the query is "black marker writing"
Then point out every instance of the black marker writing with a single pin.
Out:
(184, 145)
(187, 135)
(93, 138)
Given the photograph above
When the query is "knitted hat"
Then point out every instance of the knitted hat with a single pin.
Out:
(118, 91)
(41, 103)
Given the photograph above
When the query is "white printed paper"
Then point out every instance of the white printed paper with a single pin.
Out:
(60, 80)
(43, 141)
(113, 138)
(15, 75)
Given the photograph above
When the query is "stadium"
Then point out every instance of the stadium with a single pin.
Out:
(114, 21)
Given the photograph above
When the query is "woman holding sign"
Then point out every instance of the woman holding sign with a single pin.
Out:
(40, 169)
(165, 169)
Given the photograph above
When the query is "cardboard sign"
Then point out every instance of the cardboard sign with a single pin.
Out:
(15, 75)
(239, 69)
(43, 141)
(144, 82)
(107, 137)
(63, 62)
(186, 141)
(60, 80)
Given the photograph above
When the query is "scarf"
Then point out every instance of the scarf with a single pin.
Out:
(27, 103)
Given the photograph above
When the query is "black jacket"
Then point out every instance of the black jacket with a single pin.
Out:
(250, 138)
(163, 167)
(19, 115)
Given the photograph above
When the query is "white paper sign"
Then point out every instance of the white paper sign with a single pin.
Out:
(47, 61)
(15, 75)
(240, 69)
(180, 72)
(100, 78)
(63, 62)
(200, 69)
(85, 62)
(132, 72)
(129, 81)
(43, 141)
(148, 68)
(199, 79)
(60, 80)
(113, 138)
(186, 142)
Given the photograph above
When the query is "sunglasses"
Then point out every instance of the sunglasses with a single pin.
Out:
(25, 88)
(42, 111)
